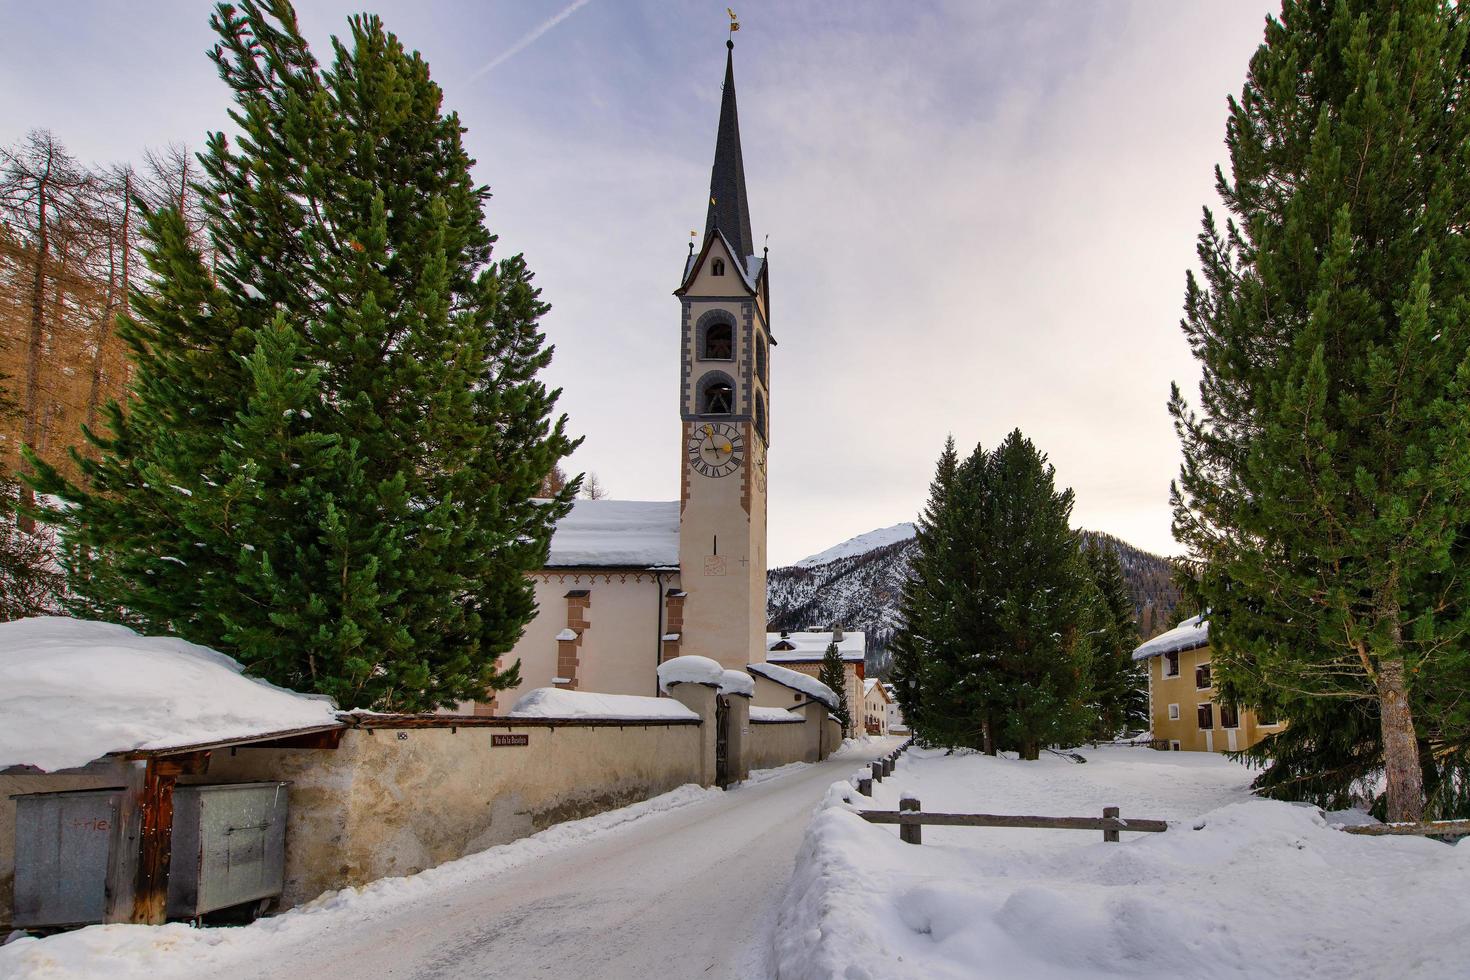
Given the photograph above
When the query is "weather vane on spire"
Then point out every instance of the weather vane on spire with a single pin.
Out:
(734, 23)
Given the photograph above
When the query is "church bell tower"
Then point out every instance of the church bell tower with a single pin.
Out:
(724, 410)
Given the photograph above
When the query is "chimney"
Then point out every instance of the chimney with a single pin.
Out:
(837, 634)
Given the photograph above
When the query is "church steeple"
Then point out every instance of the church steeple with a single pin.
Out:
(728, 209)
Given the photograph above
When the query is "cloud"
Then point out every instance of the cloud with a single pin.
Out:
(527, 39)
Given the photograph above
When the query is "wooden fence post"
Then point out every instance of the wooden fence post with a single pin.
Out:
(865, 785)
(877, 768)
(1110, 836)
(910, 833)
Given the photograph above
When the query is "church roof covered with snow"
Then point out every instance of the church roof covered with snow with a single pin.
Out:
(1191, 634)
(799, 646)
(617, 534)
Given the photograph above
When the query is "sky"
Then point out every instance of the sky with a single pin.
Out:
(979, 214)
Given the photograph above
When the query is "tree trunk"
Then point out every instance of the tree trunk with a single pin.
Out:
(1400, 744)
(988, 736)
(117, 300)
(31, 408)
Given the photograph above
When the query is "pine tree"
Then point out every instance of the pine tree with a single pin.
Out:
(1119, 684)
(1039, 595)
(328, 466)
(995, 648)
(833, 674)
(1326, 481)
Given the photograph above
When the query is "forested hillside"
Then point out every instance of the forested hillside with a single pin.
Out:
(859, 590)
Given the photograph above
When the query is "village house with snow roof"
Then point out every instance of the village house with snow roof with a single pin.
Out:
(1183, 708)
(632, 584)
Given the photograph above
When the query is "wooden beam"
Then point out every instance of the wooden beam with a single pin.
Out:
(142, 838)
(1009, 820)
(1431, 828)
(122, 853)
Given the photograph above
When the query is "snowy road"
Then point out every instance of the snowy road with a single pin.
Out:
(687, 892)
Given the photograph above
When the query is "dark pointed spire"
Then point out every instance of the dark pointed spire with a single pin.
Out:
(728, 209)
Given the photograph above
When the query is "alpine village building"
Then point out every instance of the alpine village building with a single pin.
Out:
(630, 584)
(1185, 714)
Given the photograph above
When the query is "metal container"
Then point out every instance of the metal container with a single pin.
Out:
(229, 846)
(61, 846)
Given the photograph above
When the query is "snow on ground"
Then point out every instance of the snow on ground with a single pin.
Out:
(552, 702)
(73, 690)
(680, 885)
(179, 949)
(1237, 887)
(861, 544)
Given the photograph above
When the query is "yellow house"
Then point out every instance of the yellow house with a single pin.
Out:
(1182, 705)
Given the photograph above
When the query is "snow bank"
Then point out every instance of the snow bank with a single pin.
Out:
(72, 691)
(689, 670)
(798, 681)
(612, 533)
(1261, 889)
(758, 713)
(551, 702)
(1191, 634)
(736, 682)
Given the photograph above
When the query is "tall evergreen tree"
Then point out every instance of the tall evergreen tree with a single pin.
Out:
(1326, 479)
(1119, 684)
(995, 649)
(832, 674)
(1039, 597)
(328, 465)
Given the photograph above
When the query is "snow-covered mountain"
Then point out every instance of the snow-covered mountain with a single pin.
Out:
(862, 544)
(856, 585)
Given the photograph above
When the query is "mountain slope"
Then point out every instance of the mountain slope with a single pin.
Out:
(856, 585)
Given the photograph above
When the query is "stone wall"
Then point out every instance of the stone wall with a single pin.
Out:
(776, 743)
(391, 802)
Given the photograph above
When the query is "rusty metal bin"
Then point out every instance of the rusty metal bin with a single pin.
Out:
(61, 846)
(229, 846)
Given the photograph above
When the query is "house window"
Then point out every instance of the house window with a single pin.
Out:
(1171, 665)
(760, 359)
(717, 267)
(760, 415)
(719, 342)
(1229, 716)
(796, 697)
(1265, 716)
(1206, 717)
(1202, 676)
(1173, 712)
(1174, 744)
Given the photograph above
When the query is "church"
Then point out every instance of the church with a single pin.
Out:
(630, 584)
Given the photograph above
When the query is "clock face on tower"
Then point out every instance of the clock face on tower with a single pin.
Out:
(716, 448)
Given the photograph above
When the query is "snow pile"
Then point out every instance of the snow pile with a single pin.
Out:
(758, 713)
(736, 682)
(797, 681)
(1191, 634)
(860, 545)
(72, 691)
(689, 670)
(613, 533)
(1237, 887)
(551, 702)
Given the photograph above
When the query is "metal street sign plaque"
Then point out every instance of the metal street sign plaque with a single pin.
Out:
(521, 739)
